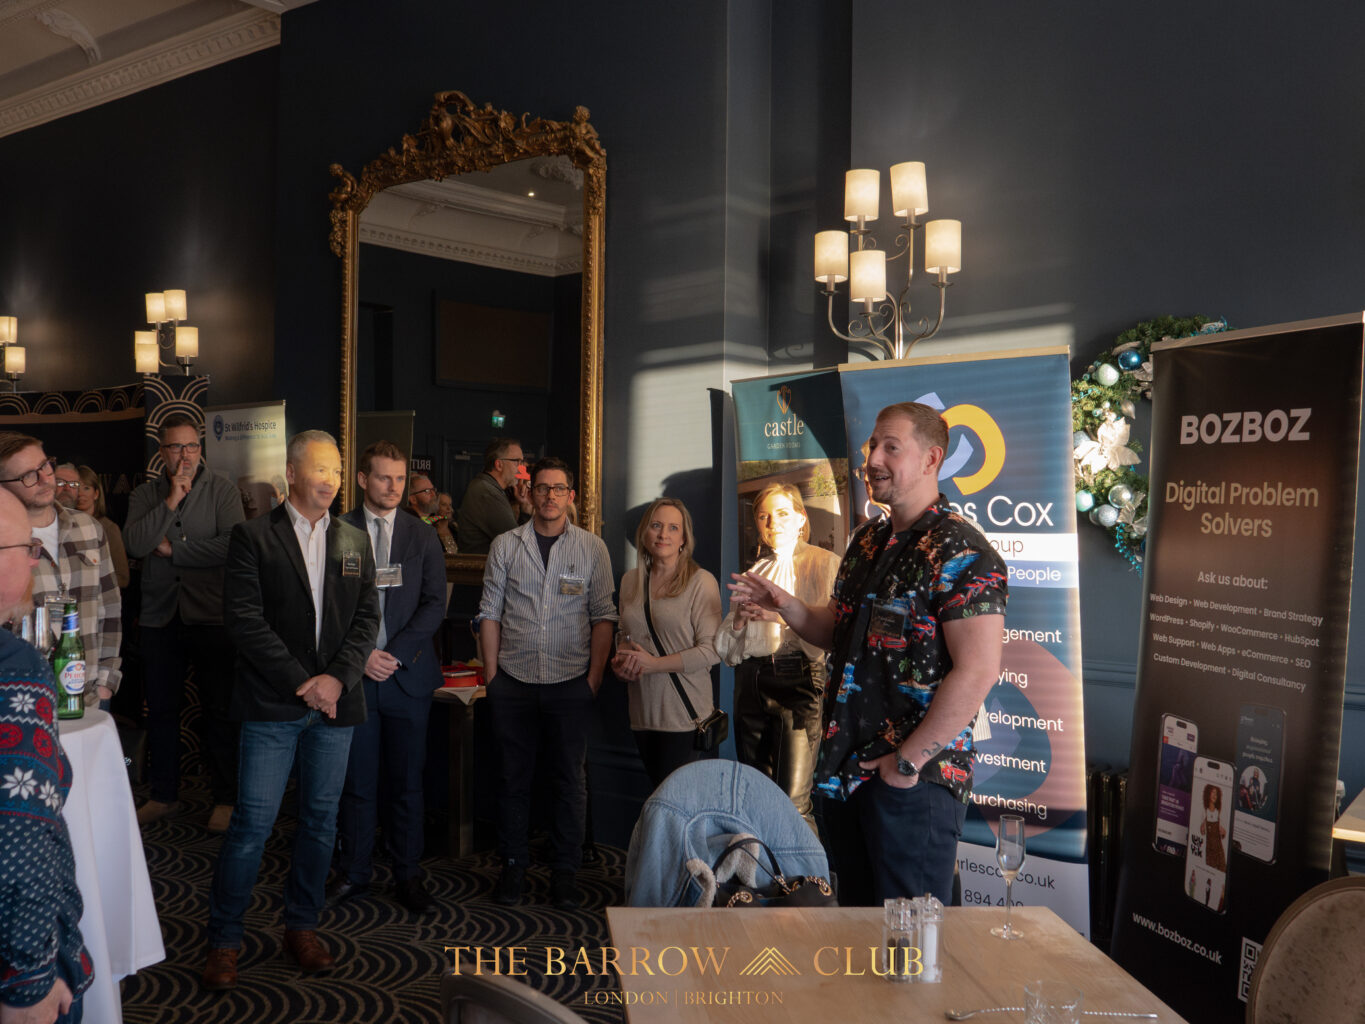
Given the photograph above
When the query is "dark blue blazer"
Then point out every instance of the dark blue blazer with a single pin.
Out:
(413, 611)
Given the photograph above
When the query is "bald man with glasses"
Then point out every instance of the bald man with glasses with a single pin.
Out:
(485, 512)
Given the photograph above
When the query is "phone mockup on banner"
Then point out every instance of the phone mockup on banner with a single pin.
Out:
(1260, 758)
(1206, 856)
(1179, 742)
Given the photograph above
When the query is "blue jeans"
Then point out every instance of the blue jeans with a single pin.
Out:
(266, 754)
(886, 842)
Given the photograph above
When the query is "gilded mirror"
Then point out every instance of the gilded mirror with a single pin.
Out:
(464, 150)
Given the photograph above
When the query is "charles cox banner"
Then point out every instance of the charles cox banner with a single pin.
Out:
(1241, 677)
(1009, 470)
(246, 443)
(791, 430)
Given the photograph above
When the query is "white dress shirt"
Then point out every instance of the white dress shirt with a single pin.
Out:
(313, 543)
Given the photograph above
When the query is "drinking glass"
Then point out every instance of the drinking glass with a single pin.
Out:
(1009, 854)
(1052, 1002)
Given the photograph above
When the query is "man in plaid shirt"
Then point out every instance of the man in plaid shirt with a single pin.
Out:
(75, 563)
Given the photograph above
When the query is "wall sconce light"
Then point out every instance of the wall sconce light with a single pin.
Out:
(883, 318)
(15, 359)
(165, 311)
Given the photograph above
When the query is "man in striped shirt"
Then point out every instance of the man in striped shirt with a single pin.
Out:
(546, 624)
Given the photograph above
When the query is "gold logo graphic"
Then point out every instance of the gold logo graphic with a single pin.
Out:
(769, 961)
(784, 399)
(979, 421)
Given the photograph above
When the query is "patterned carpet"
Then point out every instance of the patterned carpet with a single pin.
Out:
(389, 961)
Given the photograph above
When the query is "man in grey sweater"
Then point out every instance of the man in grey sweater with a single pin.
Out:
(179, 524)
(485, 511)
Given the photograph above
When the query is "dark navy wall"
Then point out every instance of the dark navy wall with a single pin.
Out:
(1113, 166)
(407, 286)
(168, 188)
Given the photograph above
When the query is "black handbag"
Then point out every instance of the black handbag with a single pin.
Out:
(780, 891)
(712, 730)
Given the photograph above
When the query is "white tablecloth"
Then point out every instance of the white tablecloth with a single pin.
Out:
(119, 924)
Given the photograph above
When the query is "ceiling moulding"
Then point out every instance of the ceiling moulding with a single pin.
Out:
(13, 10)
(483, 255)
(205, 47)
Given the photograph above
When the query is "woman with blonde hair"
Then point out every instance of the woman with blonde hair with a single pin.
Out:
(779, 678)
(90, 500)
(680, 600)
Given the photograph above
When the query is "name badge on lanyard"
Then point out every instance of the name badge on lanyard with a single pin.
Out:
(390, 575)
(887, 621)
(572, 586)
(350, 563)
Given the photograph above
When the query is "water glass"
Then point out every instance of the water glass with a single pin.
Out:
(1052, 1002)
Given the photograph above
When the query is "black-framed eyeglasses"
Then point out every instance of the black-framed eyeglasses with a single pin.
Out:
(519, 462)
(192, 448)
(31, 477)
(424, 490)
(34, 545)
(74, 485)
(558, 490)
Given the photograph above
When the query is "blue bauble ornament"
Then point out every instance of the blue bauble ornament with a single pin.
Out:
(1120, 495)
(1079, 438)
(1104, 515)
(1130, 360)
(1085, 501)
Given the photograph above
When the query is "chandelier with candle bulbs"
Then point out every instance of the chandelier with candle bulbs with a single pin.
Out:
(885, 322)
(165, 311)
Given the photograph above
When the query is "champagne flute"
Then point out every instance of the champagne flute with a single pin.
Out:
(1009, 854)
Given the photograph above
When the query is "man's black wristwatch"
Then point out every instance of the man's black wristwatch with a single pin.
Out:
(905, 767)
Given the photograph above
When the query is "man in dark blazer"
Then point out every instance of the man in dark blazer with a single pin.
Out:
(400, 675)
(300, 604)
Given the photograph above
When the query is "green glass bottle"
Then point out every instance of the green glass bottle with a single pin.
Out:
(68, 665)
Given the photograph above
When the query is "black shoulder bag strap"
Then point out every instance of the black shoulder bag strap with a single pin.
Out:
(663, 653)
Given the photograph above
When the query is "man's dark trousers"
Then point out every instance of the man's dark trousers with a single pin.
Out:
(167, 653)
(393, 737)
(549, 721)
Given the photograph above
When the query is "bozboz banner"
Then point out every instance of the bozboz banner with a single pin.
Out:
(1009, 470)
(1237, 717)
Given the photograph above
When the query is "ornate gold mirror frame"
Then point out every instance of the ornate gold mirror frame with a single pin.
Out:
(458, 137)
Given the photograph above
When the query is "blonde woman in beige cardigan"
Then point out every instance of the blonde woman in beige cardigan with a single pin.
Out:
(684, 604)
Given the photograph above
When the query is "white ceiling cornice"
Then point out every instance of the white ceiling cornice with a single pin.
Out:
(213, 44)
(469, 251)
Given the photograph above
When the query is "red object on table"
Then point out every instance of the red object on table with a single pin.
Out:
(460, 674)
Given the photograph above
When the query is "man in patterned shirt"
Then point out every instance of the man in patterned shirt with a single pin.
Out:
(44, 966)
(75, 563)
(915, 633)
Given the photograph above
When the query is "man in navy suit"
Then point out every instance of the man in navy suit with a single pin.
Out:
(300, 604)
(400, 674)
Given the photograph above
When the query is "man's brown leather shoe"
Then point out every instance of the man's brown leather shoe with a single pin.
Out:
(221, 970)
(307, 950)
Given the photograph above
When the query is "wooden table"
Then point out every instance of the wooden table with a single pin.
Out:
(829, 952)
(460, 766)
(1351, 825)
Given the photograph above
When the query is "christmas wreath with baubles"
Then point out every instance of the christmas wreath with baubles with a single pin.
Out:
(1103, 398)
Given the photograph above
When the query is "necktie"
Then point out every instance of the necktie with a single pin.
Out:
(381, 560)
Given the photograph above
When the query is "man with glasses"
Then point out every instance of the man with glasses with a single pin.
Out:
(546, 624)
(75, 563)
(485, 511)
(179, 524)
(423, 501)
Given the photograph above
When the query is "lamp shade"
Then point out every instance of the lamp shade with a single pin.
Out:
(9, 330)
(909, 193)
(145, 356)
(943, 246)
(175, 304)
(187, 342)
(867, 275)
(156, 307)
(15, 359)
(862, 194)
(831, 256)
